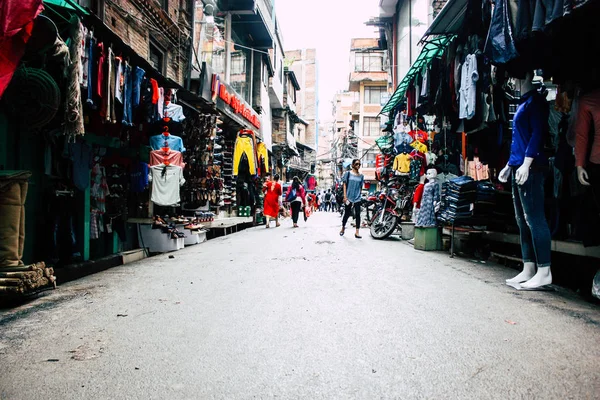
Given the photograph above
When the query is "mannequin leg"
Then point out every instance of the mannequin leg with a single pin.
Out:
(527, 251)
(543, 277)
(532, 199)
(525, 275)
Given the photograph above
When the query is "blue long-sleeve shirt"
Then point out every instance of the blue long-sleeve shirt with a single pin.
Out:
(530, 127)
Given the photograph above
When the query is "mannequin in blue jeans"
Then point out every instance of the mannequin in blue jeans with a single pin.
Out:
(526, 166)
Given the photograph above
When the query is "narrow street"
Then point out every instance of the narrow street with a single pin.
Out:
(300, 313)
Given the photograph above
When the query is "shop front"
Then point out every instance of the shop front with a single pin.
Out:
(491, 115)
(243, 157)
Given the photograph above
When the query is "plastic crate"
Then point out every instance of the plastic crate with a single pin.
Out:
(428, 238)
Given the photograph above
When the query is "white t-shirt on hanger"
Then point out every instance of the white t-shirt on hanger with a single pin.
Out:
(165, 188)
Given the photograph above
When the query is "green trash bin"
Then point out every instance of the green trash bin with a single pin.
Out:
(428, 238)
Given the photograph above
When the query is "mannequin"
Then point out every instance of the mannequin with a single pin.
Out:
(417, 197)
(588, 117)
(526, 166)
(430, 202)
(586, 129)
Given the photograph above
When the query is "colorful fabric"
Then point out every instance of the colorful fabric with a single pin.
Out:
(431, 196)
(16, 25)
(172, 157)
(271, 202)
(244, 145)
(262, 152)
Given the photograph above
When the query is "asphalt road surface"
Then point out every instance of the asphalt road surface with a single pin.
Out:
(301, 314)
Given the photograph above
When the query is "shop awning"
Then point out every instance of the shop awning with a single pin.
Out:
(70, 5)
(449, 21)
(432, 49)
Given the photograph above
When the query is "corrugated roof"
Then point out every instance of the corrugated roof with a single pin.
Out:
(431, 50)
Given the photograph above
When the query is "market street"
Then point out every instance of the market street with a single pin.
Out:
(300, 313)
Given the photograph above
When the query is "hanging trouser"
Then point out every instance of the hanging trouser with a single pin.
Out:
(243, 144)
(13, 191)
(261, 150)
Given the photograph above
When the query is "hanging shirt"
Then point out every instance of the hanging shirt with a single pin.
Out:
(468, 90)
(530, 126)
(174, 111)
(119, 79)
(422, 148)
(173, 157)
(402, 163)
(166, 181)
(173, 142)
(587, 117)
(419, 135)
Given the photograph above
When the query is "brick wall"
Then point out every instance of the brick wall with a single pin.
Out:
(136, 21)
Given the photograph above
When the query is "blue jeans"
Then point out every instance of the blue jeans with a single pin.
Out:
(138, 74)
(90, 72)
(529, 212)
(127, 96)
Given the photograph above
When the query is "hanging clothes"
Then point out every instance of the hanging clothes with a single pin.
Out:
(173, 142)
(263, 153)
(166, 181)
(431, 196)
(468, 88)
(17, 18)
(244, 145)
(170, 156)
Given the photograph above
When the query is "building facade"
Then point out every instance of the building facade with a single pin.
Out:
(304, 64)
(370, 79)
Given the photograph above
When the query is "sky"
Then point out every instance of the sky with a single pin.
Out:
(328, 26)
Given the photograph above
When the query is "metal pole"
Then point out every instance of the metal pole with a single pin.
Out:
(227, 47)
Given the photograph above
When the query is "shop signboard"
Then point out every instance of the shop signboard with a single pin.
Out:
(231, 103)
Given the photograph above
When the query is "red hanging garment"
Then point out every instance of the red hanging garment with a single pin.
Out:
(16, 25)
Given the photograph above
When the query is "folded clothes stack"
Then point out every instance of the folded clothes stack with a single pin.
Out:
(464, 198)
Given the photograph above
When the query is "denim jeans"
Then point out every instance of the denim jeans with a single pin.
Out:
(138, 74)
(127, 95)
(528, 199)
(90, 72)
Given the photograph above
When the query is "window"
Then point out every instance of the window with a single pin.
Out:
(164, 4)
(369, 158)
(371, 126)
(238, 63)
(373, 94)
(157, 57)
(368, 62)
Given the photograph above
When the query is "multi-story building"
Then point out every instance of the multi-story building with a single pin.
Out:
(304, 64)
(403, 24)
(370, 79)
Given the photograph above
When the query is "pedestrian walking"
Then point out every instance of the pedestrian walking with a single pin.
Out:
(328, 200)
(272, 189)
(353, 182)
(296, 196)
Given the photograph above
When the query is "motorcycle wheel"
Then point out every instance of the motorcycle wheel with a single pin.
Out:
(382, 230)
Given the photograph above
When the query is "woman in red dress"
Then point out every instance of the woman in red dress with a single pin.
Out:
(272, 190)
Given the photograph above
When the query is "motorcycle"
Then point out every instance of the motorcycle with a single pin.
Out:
(395, 202)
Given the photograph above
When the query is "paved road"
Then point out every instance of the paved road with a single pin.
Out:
(300, 314)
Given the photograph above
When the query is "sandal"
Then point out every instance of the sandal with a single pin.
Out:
(342, 231)
(357, 236)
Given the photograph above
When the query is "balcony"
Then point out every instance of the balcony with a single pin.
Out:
(252, 18)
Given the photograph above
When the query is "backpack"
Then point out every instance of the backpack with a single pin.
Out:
(291, 196)
(328, 197)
